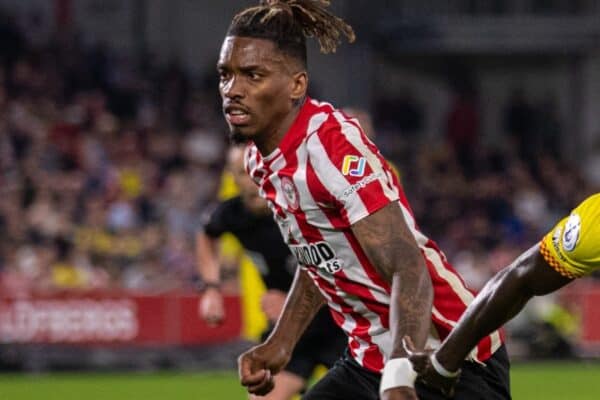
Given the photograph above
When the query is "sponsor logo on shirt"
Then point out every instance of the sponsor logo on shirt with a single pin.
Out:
(571, 234)
(319, 255)
(361, 184)
(354, 165)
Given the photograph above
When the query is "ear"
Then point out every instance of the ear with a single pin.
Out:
(299, 85)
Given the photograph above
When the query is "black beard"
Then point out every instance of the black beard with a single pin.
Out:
(238, 138)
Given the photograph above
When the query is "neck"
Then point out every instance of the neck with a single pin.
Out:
(270, 140)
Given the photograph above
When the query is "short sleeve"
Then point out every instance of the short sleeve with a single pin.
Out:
(350, 169)
(572, 247)
(214, 220)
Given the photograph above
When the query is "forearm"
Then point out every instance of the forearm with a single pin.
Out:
(411, 297)
(498, 302)
(394, 253)
(501, 299)
(410, 310)
(207, 263)
(302, 303)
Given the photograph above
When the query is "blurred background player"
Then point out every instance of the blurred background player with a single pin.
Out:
(569, 251)
(248, 218)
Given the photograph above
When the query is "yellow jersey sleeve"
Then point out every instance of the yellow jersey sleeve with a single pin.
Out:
(573, 247)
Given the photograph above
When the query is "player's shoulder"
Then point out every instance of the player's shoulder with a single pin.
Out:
(331, 128)
(226, 209)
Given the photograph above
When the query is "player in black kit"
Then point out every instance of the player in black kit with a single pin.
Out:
(248, 218)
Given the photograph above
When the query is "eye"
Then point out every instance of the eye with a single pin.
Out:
(254, 76)
(224, 75)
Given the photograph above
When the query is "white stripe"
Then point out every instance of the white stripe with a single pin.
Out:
(451, 278)
(496, 341)
(349, 323)
(318, 103)
(315, 122)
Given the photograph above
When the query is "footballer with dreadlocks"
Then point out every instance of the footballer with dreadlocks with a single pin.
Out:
(344, 216)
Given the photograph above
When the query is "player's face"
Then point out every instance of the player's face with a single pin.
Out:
(258, 85)
(248, 189)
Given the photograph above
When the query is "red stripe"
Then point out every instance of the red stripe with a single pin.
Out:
(373, 358)
(449, 304)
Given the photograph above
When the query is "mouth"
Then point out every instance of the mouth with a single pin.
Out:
(236, 115)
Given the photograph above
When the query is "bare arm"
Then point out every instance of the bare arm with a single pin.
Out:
(301, 305)
(502, 298)
(391, 248)
(211, 306)
(206, 258)
(258, 365)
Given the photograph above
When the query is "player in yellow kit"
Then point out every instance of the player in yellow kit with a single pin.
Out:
(569, 251)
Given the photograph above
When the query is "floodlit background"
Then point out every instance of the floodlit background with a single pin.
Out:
(112, 146)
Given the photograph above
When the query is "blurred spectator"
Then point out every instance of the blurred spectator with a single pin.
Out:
(591, 166)
(548, 128)
(519, 123)
(401, 113)
(462, 127)
(99, 186)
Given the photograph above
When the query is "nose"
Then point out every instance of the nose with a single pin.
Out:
(233, 88)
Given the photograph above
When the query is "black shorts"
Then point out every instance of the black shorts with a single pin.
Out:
(323, 343)
(348, 380)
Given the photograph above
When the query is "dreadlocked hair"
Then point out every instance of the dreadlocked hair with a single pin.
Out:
(288, 23)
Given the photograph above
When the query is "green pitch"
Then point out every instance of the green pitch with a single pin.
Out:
(546, 381)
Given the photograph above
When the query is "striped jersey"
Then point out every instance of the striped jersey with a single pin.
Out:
(325, 176)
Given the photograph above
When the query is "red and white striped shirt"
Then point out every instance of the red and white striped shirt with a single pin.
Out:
(325, 176)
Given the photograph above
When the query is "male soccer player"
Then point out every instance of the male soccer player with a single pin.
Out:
(343, 214)
(249, 219)
(571, 250)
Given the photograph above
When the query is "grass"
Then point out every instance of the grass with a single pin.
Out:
(548, 381)
(556, 381)
(131, 386)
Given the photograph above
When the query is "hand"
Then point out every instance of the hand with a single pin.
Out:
(400, 393)
(272, 303)
(211, 308)
(421, 361)
(257, 366)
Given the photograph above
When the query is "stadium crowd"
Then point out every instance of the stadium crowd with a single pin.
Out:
(107, 164)
(105, 168)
